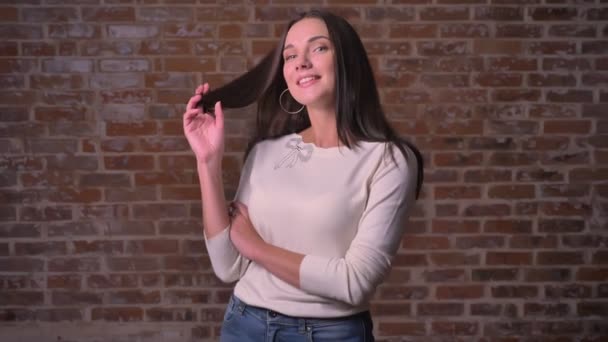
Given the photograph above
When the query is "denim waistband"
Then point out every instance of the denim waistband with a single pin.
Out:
(274, 317)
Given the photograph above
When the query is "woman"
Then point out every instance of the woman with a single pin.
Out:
(324, 194)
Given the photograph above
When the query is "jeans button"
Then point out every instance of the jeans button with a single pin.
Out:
(273, 314)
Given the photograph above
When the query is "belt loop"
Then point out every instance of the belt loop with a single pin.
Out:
(301, 325)
(240, 306)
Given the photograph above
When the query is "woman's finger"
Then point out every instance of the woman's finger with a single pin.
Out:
(242, 209)
(193, 100)
(219, 115)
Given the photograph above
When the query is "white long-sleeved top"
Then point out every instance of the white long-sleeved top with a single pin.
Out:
(344, 209)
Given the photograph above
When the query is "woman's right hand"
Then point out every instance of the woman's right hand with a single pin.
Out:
(205, 133)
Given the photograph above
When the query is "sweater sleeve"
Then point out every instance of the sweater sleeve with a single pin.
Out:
(227, 263)
(353, 278)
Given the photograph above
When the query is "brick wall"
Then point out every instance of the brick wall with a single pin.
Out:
(100, 221)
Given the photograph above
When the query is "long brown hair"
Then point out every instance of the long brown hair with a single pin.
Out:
(359, 114)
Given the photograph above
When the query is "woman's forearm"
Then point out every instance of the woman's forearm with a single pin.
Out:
(284, 264)
(215, 213)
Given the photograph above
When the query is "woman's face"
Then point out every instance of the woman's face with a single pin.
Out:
(308, 68)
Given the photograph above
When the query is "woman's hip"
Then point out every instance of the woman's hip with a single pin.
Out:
(246, 323)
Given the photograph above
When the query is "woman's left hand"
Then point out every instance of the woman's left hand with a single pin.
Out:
(242, 233)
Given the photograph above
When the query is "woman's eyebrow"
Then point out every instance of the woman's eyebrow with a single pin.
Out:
(311, 39)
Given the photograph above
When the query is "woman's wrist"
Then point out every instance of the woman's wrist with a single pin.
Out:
(209, 168)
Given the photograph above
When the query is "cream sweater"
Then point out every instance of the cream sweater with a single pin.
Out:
(344, 209)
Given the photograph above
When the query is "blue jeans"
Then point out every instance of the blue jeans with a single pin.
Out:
(246, 323)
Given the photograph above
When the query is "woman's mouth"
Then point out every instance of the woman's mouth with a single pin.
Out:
(307, 80)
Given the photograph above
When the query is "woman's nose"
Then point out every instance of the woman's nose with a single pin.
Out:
(303, 63)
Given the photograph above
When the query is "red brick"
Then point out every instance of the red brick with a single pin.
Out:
(444, 13)
(439, 309)
(512, 64)
(390, 309)
(8, 13)
(21, 298)
(402, 329)
(403, 292)
(57, 315)
(412, 242)
(490, 242)
(551, 80)
(188, 297)
(509, 258)
(567, 291)
(457, 192)
(547, 275)
(117, 145)
(560, 258)
(64, 281)
(45, 214)
(19, 282)
(487, 175)
(450, 292)
(133, 264)
(507, 328)
(76, 195)
(103, 281)
(495, 274)
(485, 309)
(486, 210)
(551, 48)
(513, 291)
(455, 328)
(572, 30)
(511, 191)
(454, 259)
(161, 246)
(21, 265)
(533, 241)
(564, 190)
(553, 13)
(452, 226)
(518, 31)
(183, 263)
(182, 315)
(497, 13)
(122, 314)
(464, 30)
(457, 159)
(403, 30)
(40, 248)
(516, 95)
(170, 144)
(189, 64)
(134, 297)
(498, 80)
(574, 95)
(570, 208)
(131, 162)
(108, 14)
(410, 259)
(600, 257)
(49, 14)
(512, 159)
(100, 246)
(73, 298)
(440, 176)
(74, 265)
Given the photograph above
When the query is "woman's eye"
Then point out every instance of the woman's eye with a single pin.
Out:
(289, 57)
(321, 48)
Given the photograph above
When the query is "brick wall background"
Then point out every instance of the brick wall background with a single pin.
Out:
(100, 223)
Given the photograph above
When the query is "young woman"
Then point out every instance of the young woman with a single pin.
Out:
(324, 194)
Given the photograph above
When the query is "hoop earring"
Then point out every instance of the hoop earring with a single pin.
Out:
(283, 108)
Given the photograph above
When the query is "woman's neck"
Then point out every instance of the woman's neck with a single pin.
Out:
(323, 130)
